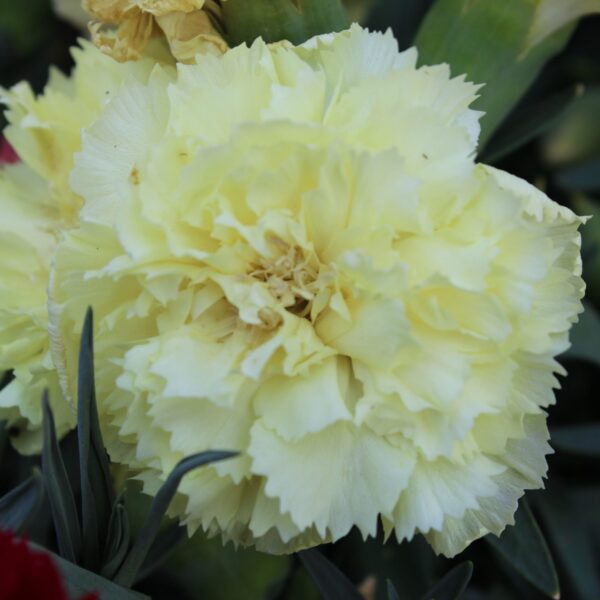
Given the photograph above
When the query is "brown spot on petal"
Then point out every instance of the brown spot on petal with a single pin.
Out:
(134, 176)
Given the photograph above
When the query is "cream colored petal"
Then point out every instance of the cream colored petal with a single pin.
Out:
(357, 54)
(376, 334)
(20, 404)
(441, 489)
(333, 479)
(226, 104)
(106, 171)
(193, 367)
(307, 403)
(527, 466)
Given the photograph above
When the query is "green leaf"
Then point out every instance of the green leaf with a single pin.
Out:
(205, 568)
(358, 10)
(97, 494)
(129, 570)
(80, 581)
(585, 334)
(525, 548)
(583, 178)
(276, 20)
(20, 505)
(58, 488)
(551, 15)
(391, 591)
(577, 137)
(119, 539)
(528, 124)
(330, 581)
(487, 41)
(452, 585)
(25, 28)
(583, 440)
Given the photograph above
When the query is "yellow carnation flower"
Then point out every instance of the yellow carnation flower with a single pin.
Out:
(188, 26)
(312, 270)
(27, 242)
(37, 203)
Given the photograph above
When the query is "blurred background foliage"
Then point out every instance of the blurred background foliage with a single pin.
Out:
(541, 66)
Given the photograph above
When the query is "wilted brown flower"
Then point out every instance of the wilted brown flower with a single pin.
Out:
(189, 26)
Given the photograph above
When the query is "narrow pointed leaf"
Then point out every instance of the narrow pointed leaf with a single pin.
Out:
(276, 20)
(551, 15)
(97, 495)
(391, 591)
(80, 581)
(453, 584)
(120, 538)
(525, 549)
(135, 559)
(571, 517)
(488, 41)
(583, 440)
(528, 124)
(166, 541)
(330, 581)
(58, 488)
(20, 505)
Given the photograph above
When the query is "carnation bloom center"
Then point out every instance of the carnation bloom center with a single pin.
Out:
(295, 277)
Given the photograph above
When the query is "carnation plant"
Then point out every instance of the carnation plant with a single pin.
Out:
(307, 254)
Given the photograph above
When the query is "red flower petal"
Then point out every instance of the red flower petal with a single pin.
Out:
(7, 153)
(27, 574)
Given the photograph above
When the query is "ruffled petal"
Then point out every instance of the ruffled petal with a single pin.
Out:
(297, 406)
(334, 479)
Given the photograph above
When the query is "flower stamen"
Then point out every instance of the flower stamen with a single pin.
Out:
(294, 278)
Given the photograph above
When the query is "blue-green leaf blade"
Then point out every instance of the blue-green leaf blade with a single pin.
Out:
(391, 591)
(330, 581)
(80, 581)
(453, 584)
(135, 558)
(97, 495)
(58, 488)
(523, 546)
(20, 505)
(119, 538)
